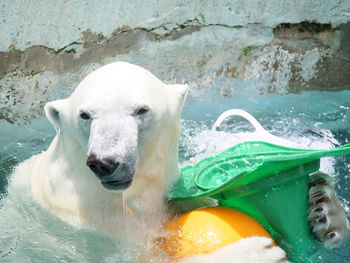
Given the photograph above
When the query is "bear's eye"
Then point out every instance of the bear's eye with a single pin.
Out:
(84, 116)
(142, 111)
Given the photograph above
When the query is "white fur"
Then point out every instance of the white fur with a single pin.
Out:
(246, 250)
(60, 179)
(63, 184)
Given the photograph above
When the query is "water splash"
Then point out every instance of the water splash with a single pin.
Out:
(36, 234)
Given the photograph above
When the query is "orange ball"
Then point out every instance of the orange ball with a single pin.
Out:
(205, 230)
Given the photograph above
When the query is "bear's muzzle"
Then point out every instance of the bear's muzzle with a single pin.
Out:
(113, 175)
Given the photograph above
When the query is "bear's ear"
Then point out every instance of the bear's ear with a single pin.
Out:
(179, 92)
(53, 111)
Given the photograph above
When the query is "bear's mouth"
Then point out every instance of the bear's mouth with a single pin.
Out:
(116, 185)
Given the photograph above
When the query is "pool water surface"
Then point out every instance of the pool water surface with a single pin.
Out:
(315, 119)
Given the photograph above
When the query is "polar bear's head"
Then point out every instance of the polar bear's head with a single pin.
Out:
(121, 117)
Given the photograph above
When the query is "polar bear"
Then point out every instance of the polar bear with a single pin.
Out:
(117, 139)
(115, 155)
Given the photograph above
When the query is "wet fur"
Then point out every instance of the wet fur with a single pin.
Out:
(326, 215)
(70, 190)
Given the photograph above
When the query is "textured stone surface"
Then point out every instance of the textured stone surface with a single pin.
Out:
(61, 23)
(193, 57)
(47, 47)
(345, 42)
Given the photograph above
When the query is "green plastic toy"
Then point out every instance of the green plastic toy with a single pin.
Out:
(267, 181)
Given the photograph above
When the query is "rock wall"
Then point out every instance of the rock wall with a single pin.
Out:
(47, 47)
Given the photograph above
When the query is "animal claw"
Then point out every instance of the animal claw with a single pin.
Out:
(322, 219)
(318, 209)
(321, 181)
(330, 235)
(317, 194)
(326, 216)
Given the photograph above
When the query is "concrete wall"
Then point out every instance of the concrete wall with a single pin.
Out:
(48, 46)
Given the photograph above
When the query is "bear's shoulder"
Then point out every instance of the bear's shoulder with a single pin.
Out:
(23, 171)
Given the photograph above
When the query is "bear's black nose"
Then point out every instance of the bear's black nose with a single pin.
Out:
(101, 166)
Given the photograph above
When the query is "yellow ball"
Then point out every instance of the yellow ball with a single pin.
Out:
(205, 230)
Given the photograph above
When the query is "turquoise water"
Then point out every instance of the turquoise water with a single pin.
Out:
(29, 234)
